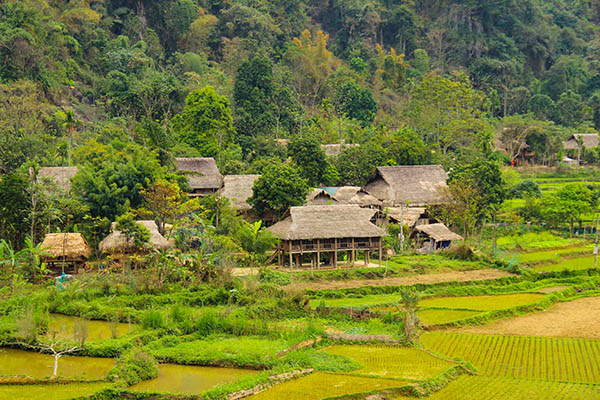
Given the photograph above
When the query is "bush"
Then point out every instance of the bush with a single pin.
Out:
(133, 367)
(461, 252)
(153, 319)
(527, 188)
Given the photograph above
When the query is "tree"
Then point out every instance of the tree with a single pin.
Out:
(306, 152)
(205, 122)
(253, 99)
(255, 240)
(311, 64)
(409, 299)
(14, 208)
(513, 132)
(166, 203)
(135, 233)
(486, 179)
(567, 204)
(407, 148)
(461, 205)
(280, 187)
(355, 102)
(356, 164)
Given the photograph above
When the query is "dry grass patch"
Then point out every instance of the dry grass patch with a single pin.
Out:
(578, 318)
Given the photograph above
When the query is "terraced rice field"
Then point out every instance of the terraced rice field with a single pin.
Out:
(392, 361)
(486, 388)
(526, 357)
(572, 264)
(434, 316)
(320, 385)
(555, 255)
(482, 303)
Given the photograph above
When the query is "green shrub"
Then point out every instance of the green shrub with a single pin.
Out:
(153, 319)
(133, 367)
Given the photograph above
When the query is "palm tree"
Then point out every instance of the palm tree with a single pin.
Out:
(69, 122)
(11, 259)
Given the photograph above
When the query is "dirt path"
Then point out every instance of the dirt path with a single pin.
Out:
(578, 318)
(455, 276)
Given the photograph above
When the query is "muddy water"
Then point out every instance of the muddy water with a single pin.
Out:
(63, 327)
(185, 379)
(36, 365)
(49, 392)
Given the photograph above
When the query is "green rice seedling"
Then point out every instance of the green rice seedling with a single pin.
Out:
(50, 391)
(482, 303)
(437, 316)
(547, 358)
(571, 264)
(392, 361)
(482, 387)
(321, 385)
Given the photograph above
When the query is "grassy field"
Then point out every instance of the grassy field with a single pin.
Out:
(392, 361)
(488, 388)
(524, 357)
(434, 316)
(554, 255)
(536, 240)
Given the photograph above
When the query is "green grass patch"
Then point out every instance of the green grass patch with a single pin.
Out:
(482, 303)
(246, 351)
(555, 255)
(392, 361)
(535, 240)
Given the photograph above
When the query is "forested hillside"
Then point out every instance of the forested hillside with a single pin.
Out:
(120, 87)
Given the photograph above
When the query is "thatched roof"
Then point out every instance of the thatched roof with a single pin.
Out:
(589, 141)
(327, 222)
(320, 197)
(68, 245)
(238, 189)
(415, 184)
(60, 175)
(408, 215)
(438, 232)
(355, 195)
(336, 148)
(116, 242)
(201, 172)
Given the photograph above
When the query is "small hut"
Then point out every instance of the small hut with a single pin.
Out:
(202, 174)
(336, 149)
(67, 251)
(327, 229)
(320, 196)
(577, 140)
(117, 243)
(61, 176)
(409, 216)
(238, 189)
(417, 185)
(434, 237)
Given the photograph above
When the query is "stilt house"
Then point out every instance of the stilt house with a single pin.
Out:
(67, 252)
(327, 229)
(434, 237)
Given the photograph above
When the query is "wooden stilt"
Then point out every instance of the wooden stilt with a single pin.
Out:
(335, 256)
(353, 252)
(318, 253)
(380, 253)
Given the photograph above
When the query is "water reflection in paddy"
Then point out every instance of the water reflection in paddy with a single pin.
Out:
(36, 365)
(63, 327)
(186, 379)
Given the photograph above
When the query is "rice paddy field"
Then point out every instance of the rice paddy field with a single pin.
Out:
(49, 391)
(392, 361)
(523, 357)
(489, 388)
(482, 303)
(322, 385)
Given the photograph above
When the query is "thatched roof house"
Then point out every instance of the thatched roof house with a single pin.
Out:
(409, 216)
(327, 229)
(320, 196)
(440, 237)
(71, 246)
(416, 185)
(327, 222)
(60, 175)
(202, 174)
(238, 189)
(588, 140)
(355, 195)
(65, 251)
(116, 242)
